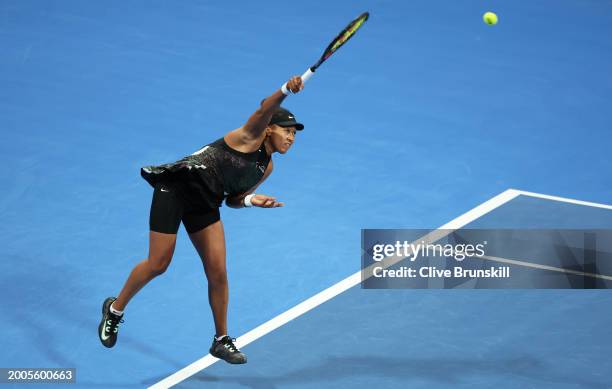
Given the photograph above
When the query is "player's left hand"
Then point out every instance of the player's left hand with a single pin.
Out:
(264, 201)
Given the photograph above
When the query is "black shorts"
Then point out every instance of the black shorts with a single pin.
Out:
(168, 209)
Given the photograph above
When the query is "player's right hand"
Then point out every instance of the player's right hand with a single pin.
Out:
(295, 84)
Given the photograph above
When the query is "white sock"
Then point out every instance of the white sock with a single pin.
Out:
(115, 312)
(218, 338)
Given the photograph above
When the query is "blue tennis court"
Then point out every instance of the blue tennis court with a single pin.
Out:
(425, 119)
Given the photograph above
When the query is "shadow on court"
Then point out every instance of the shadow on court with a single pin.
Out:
(47, 313)
(446, 372)
(43, 295)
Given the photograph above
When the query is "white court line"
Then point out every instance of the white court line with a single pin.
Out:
(350, 282)
(564, 199)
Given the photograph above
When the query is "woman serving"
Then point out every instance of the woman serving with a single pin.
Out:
(191, 191)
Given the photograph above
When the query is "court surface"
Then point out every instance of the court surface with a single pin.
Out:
(424, 117)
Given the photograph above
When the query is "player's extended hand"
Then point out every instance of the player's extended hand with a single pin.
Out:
(264, 201)
(295, 84)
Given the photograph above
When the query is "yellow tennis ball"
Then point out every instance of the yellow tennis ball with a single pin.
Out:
(490, 18)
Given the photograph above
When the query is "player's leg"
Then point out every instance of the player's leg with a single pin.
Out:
(165, 218)
(161, 249)
(210, 244)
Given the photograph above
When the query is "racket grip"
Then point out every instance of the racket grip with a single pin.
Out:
(307, 75)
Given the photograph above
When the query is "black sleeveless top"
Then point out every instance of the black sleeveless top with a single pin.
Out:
(212, 173)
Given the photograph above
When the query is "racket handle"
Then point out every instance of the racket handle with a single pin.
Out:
(307, 75)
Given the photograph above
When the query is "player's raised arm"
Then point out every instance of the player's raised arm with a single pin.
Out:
(259, 120)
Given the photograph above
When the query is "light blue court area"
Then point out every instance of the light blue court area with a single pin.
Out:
(427, 114)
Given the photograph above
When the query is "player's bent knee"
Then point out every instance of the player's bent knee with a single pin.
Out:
(158, 267)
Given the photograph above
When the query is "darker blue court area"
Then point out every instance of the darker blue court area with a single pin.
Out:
(425, 114)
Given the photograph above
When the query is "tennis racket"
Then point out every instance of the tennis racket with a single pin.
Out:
(340, 40)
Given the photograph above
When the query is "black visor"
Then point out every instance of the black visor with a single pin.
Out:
(284, 118)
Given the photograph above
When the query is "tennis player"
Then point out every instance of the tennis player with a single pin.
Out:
(191, 190)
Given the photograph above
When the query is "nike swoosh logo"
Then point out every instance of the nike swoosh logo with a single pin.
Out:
(162, 189)
(103, 334)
